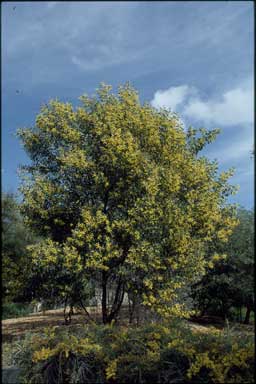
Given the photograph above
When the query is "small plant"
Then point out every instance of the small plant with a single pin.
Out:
(13, 310)
(160, 353)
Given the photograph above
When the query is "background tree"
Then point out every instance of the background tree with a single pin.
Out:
(15, 258)
(231, 282)
(241, 253)
(119, 192)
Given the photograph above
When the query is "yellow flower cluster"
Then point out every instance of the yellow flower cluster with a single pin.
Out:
(111, 370)
(78, 346)
(217, 361)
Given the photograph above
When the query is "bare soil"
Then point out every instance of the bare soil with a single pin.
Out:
(15, 328)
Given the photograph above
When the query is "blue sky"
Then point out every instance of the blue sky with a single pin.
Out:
(195, 58)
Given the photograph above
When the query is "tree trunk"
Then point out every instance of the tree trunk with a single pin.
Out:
(131, 301)
(104, 298)
(119, 294)
(85, 310)
(119, 297)
(137, 311)
(65, 309)
(247, 315)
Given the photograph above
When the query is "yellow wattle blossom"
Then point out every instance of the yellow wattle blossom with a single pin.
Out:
(118, 193)
(111, 370)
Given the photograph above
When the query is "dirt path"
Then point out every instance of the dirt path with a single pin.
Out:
(13, 328)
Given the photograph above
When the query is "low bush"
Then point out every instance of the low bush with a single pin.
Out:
(159, 353)
(11, 310)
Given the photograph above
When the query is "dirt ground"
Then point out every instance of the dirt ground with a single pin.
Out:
(15, 328)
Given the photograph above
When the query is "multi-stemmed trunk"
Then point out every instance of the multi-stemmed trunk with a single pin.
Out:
(108, 316)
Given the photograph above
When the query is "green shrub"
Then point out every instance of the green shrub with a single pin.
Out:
(12, 310)
(169, 353)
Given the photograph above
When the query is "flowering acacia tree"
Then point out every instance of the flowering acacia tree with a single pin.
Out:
(123, 199)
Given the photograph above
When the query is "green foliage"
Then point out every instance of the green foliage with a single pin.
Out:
(123, 199)
(15, 259)
(11, 310)
(241, 250)
(167, 353)
(231, 282)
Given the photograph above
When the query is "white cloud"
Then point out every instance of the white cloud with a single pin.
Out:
(233, 107)
(171, 97)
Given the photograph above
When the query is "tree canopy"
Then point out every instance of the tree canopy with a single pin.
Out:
(122, 198)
